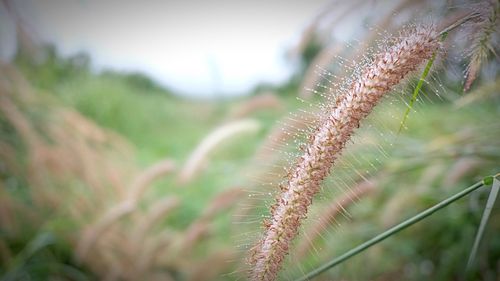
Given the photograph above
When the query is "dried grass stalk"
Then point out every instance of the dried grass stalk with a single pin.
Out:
(203, 224)
(210, 142)
(212, 266)
(465, 166)
(221, 202)
(127, 206)
(158, 211)
(267, 100)
(96, 230)
(145, 258)
(148, 176)
(481, 43)
(326, 143)
(485, 91)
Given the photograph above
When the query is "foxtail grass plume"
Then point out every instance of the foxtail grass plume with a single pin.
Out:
(212, 141)
(325, 144)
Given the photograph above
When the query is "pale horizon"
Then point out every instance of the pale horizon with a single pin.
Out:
(215, 48)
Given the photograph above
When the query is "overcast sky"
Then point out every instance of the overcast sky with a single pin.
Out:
(195, 47)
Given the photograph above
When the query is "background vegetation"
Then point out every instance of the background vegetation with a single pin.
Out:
(94, 183)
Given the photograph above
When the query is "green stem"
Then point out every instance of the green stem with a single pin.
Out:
(442, 36)
(495, 187)
(391, 232)
(417, 90)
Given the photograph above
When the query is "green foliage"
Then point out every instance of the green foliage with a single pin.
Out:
(43, 257)
(50, 69)
(159, 125)
(417, 91)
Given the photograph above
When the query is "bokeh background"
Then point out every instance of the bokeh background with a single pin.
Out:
(145, 140)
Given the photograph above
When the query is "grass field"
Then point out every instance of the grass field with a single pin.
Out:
(81, 198)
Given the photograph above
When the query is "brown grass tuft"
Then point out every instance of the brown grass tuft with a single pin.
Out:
(210, 142)
(266, 100)
(481, 41)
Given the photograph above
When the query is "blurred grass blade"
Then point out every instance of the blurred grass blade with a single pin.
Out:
(41, 241)
(495, 186)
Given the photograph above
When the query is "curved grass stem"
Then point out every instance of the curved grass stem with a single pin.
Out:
(495, 187)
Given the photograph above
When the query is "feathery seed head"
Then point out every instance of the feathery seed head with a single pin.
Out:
(335, 128)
